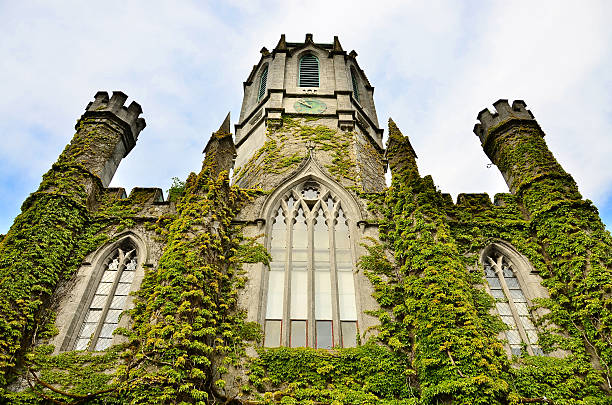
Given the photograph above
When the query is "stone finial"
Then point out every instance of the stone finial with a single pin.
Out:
(504, 113)
(225, 125)
(264, 51)
(337, 47)
(102, 105)
(353, 54)
(220, 151)
(400, 154)
(309, 39)
(282, 45)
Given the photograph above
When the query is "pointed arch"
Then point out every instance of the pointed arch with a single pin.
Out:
(510, 280)
(116, 271)
(309, 295)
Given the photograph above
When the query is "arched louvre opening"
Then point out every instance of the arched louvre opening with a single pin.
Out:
(355, 84)
(109, 300)
(511, 304)
(263, 82)
(309, 71)
(310, 296)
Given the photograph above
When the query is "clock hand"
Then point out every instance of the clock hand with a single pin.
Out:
(305, 104)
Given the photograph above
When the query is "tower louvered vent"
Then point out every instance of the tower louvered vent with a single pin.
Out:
(309, 71)
(263, 83)
(355, 85)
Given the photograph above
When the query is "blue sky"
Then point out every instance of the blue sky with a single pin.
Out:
(434, 66)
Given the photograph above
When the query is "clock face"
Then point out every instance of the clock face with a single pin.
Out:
(309, 105)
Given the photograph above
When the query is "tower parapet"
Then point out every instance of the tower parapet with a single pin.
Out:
(110, 131)
(514, 141)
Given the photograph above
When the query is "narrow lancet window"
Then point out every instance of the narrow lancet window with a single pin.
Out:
(276, 281)
(109, 301)
(263, 79)
(511, 304)
(355, 84)
(309, 71)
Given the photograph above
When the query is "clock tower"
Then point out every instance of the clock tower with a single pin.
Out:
(307, 99)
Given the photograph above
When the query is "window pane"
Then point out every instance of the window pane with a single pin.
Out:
(123, 289)
(521, 308)
(324, 335)
(489, 271)
(109, 276)
(342, 232)
(298, 334)
(87, 330)
(532, 335)
(113, 315)
(93, 316)
(104, 288)
(503, 308)
(494, 283)
(81, 344)
(498, 294)
(107, 330)
(98, 301)
(299, 294)
(349, 334)
(127, 276)
(512, 283)
(509, 320)
(118, 302)
(346, 296)
(103, 343)
(323, 301)
(272, 333)
(516, 350)
(517, 296)
(276, 289)
(513, 336)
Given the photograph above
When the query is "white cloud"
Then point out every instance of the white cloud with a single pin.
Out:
(434, 66)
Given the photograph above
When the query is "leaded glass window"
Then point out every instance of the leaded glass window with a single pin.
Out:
(309, 71)
(263, 79)
(109, 301)
(512, 306)
(310, 297)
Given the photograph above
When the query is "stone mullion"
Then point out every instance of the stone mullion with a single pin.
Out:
(311, 284)
(334, 281)
(286, 321)
(497, 265)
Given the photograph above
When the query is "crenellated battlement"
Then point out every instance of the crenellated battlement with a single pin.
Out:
(504, 113)
(102, 105)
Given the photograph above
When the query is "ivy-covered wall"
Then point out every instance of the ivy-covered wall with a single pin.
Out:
(438, 340)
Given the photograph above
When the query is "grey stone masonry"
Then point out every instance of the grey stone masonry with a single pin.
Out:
(116, 128)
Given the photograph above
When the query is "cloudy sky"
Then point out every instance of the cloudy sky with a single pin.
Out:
(434, 66)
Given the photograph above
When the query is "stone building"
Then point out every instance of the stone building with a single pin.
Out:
(222, 293)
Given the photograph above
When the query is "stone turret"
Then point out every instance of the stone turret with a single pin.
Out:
(513, 140)
(110, 130)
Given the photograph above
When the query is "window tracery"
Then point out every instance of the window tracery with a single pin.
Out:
(511, 304)
(109, 300)
(310, 297)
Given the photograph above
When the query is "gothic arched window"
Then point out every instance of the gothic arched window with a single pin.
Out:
(310, 297)
(309, 71)
(511, 304)
(109, 300)
(263, 79)
(355, 84)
